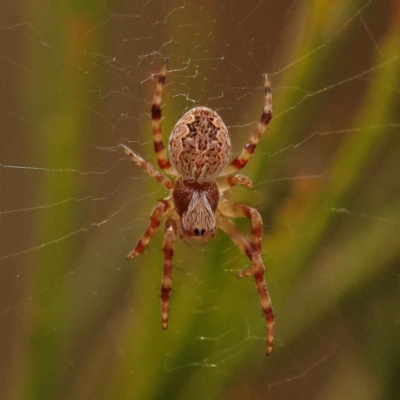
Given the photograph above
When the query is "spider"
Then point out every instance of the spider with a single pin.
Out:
(199, 149)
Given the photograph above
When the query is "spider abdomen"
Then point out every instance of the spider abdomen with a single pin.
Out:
(199, 144)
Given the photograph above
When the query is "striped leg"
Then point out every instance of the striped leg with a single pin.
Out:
(226, 183)
(234, 210)
(147, 167)
(171, 228)
(159, 147)
(159, 210)
(248, 150)
(257, 270)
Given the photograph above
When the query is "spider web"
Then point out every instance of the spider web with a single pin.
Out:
(80, 321)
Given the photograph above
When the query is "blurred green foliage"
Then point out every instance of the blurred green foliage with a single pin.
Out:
(87, 324)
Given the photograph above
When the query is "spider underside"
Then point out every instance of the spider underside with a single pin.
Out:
(199, 148)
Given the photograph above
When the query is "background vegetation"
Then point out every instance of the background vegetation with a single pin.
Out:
(78, 321)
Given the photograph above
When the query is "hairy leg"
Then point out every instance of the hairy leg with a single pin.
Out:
(159, 147)
(147, 167)
(162, 207)
(248, 150)
(171, 228)
(234, 210)
(226, 183)
(257, 270)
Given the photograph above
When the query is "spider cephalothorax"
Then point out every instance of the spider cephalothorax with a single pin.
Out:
(196, 203)
(199, 148)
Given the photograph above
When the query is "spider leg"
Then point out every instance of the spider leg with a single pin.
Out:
(234, 210)
(257, 270)
(248, 150)
(159, 210)
(159, 147)
(171, 228)
(226, 183)
(147, 167)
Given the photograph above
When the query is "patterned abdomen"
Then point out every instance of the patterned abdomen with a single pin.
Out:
(199, 145)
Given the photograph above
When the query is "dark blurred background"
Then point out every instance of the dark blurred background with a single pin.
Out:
(79, 321)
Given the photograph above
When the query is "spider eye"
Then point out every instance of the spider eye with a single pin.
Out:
(203, 231)
(196, 232)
